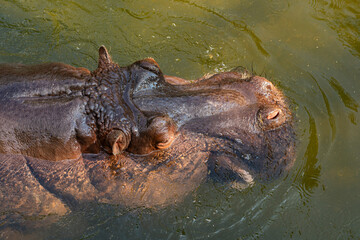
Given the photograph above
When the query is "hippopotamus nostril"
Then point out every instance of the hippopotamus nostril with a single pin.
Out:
(262, 82)
(265, 85)
(268, 86)
(245, 74)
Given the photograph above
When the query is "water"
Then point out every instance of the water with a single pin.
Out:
(309, 49)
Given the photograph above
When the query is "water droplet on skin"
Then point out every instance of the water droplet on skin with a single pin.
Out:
(247, 156)
(135, 130)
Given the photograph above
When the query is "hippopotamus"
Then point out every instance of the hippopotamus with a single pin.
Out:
(133, 136)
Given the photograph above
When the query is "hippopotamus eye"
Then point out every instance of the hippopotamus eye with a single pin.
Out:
(164, 145)
(164, 131)
(151, 65)
(160, 133)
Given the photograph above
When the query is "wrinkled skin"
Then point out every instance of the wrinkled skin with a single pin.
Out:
(132, 136)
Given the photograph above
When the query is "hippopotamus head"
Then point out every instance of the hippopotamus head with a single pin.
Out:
(243, 120)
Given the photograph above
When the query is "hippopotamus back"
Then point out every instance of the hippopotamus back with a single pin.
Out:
(42, 110)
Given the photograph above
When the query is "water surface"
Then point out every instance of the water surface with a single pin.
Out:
(309, 49)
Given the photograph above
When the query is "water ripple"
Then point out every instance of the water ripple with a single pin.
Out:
(328, 108)
(346, 98)
(242, 26)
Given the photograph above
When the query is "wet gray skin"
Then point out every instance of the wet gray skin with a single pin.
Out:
(132, 136)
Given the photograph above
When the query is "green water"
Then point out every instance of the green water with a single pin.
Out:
(309, 49)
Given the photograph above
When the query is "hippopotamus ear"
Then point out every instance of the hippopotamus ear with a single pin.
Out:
(116, 142)
(104, 57)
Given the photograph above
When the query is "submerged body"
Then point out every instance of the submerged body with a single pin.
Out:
(132, 136)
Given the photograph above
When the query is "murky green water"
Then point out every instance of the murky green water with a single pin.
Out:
(310, 49)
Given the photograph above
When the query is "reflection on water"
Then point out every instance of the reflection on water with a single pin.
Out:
(346, 98)
(328, 109)
(311, 171)
(343, 17)
(237, 24)
(310, 49)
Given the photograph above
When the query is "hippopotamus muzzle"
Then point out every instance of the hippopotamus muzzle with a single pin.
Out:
(133, 136)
